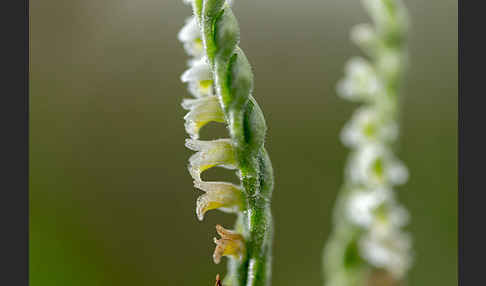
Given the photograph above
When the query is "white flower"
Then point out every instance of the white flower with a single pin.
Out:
(201, 112)
(360, 82)
(362, 204)
(213, 153)
(198, 71)
(367, 126)
(377, 206)
(374, 164)
(387, 249)
(190, 36)
(201, 88)
(379, 13)
(364, 36)
(219, 195)
(199, 78)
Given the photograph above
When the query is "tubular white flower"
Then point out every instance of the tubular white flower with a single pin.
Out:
(374, 164)
(199, 78)
(389, 249)
(361, 81)
(210, 154)
(367, 207)
(366, 127)
(190, 36)
(362, 205)
(364, 36)
(219, 195)
(383, 245)
(201, 112)
(199, 71)
(201, 88)
(379, 13)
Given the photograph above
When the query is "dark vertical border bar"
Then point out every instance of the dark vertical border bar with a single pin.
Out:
(14, 118)
(460, 197)
(472, 143)
(26, 134)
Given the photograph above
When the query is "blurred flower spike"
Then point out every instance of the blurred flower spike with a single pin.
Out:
(368, 218)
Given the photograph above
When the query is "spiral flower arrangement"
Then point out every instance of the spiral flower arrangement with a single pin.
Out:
(221, 81)
(368, 245)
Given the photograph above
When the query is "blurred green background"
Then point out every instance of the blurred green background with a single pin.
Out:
(111, 200)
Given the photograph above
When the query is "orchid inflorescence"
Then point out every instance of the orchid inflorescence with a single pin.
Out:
(368, 243)
(221, 81)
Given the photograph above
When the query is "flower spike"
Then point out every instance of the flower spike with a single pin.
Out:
(220, 78)
(368, 219)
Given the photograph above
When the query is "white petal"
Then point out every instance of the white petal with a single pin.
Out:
(199, 90)
(190, 36)
(202, 111)
(360, 82)
(361, 205)
(190, 31)
(363, 35)
(391, 251)
(210, 154)
(378, 11)
(367, 126)
(199, 71)
(362, 166)
(219, 195)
